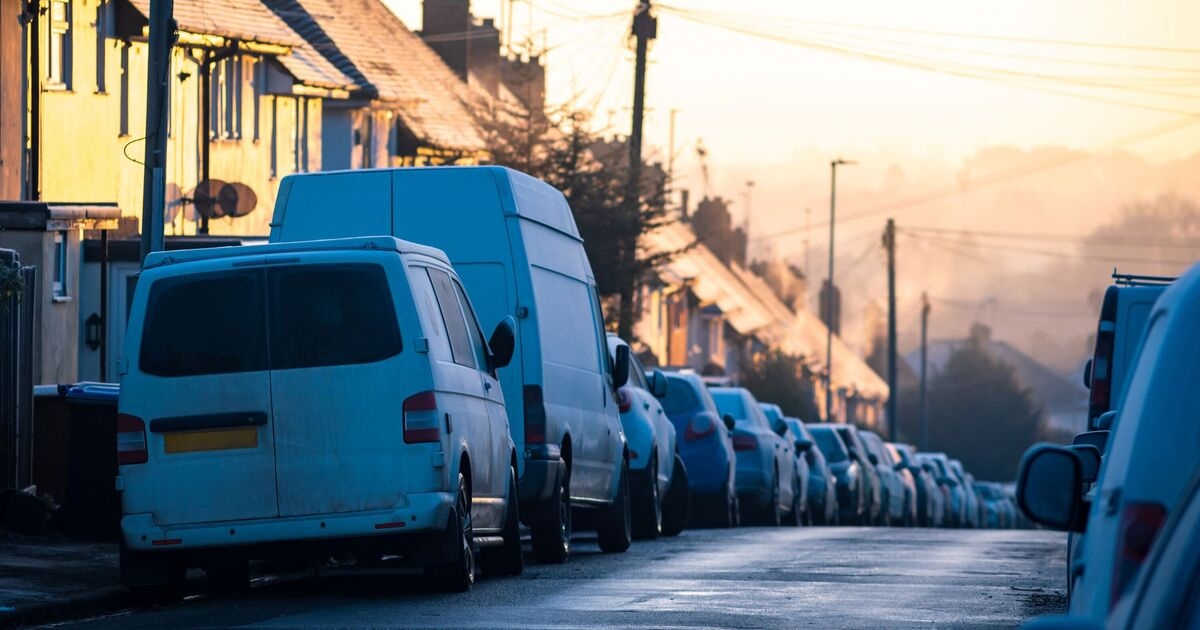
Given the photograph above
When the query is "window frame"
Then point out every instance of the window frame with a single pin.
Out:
(59, 46)
(458, 355)
(60, 291)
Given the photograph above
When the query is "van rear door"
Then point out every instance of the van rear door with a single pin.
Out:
(338, 384)
(200, 385)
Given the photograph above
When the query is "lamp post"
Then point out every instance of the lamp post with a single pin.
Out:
(829, 297)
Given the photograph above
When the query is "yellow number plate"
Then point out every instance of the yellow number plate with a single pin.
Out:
(212, 440)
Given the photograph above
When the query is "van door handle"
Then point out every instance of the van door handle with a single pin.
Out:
(487, 385)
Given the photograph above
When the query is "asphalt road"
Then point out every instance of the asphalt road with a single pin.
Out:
(747, 578)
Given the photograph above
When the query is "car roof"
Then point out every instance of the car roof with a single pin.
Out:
(375, 243)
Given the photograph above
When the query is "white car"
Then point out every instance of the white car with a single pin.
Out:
(1146, 469)
(307, 398)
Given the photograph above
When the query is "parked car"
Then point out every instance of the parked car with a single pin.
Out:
(846, 471)
(995, 508)
(875, 508)
(765, 466)
(1123, 317)
(798, 443)
(822, 489)
(514, 243)
(956, 496)
(1147, 468)
(899, 498)
(654, 467)
(965, 480)
(706, 449)
(288, 412)
(1166, 593)
(931, 500)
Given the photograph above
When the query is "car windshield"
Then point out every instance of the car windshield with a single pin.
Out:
(730, 402)
(831, 445)
(681, 397)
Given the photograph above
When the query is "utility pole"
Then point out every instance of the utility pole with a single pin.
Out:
(645, 28)
(830, 297)
(889, 241)
(924, 363)
(158, 107)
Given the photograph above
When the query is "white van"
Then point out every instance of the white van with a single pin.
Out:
(311, 398)
(515, 245)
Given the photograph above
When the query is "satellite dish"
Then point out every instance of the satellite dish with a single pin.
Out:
(214, 198)
(206, 198)
(174, 203)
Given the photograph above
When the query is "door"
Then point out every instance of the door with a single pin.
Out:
(336, 387)
(201, 385)
(471, 392)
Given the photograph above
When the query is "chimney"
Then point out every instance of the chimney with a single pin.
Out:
(484, 56)
(445, 26)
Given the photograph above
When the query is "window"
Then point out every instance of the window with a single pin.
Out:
(452, 315)
(60, 265)
(124, 107)
(259, 74)
(58, 45)
(730, 402)
(477, 342)
(680, 398)
(831, 447)
(213, 323)
(637, 373)
(225, 99)
(274, 137)
(331, 315)
(300, 139)
(104, 30)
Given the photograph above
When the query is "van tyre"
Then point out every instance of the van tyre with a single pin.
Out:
(551, 530)
(678, 502)
(228, 575)
(151, 578)
(770, 514)
(458, 574)
(507, 559)
(615, 530)
(647, 510)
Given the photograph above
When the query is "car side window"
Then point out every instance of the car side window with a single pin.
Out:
(477, 342)
(452, 315)
(601, 338)
(637, 373)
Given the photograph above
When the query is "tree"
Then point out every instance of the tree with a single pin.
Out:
(978, 412)
(782, 379)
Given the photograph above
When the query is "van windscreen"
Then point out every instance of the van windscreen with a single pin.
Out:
(212, 323)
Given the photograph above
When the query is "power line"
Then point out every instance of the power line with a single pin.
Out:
(1067, 255)
(1124, 241)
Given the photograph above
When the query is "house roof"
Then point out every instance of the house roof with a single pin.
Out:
(388, 62)
(251, 21)
(752, 309)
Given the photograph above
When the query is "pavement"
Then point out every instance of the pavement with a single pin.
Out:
(47, 576)
(747, 578)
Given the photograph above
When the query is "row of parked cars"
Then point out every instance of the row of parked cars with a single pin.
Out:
(762, 467)
(333, 393)
(1128, 489)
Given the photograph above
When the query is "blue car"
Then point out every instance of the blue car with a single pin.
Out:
(705, 443)
(822, 488)
(849, 487)
(765, 466)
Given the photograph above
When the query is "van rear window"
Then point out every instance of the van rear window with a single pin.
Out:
(331, 315)
(217, 323)
(213, 323)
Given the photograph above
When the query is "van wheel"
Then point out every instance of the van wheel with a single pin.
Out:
(151, 578)
(551, 531)
(615, 530)
(228, 575)
(648, 516)
(678, 503)
(508, 559)
(457, 575)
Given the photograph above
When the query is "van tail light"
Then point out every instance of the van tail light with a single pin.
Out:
(1140, 524)
(535, 415)
(624, 400)
(131, 440)
(699, 428)
(743, 442)
(1100, 399)
(421, 418)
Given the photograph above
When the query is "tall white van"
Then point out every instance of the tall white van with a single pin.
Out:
(514, 243)
(307, 398)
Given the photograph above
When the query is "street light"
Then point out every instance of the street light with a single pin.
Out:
(829, 298)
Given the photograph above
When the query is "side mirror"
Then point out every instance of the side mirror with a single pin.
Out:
(781, 429)
(1087, 374)
(1050, 487)
(803, 446)
(871, 458)
(621, 367)
(503, 342)
(1106, 420)
(658, 384)
(1089, 460)
(1099, 439)
(730, 423)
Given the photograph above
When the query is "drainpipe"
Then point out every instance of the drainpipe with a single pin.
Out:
(208, 60)
(33, 185)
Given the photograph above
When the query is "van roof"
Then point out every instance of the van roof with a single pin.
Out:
(382, 243)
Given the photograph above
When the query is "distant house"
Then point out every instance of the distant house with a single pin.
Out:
(1064, 401)
(702, 314)
(408, 107)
